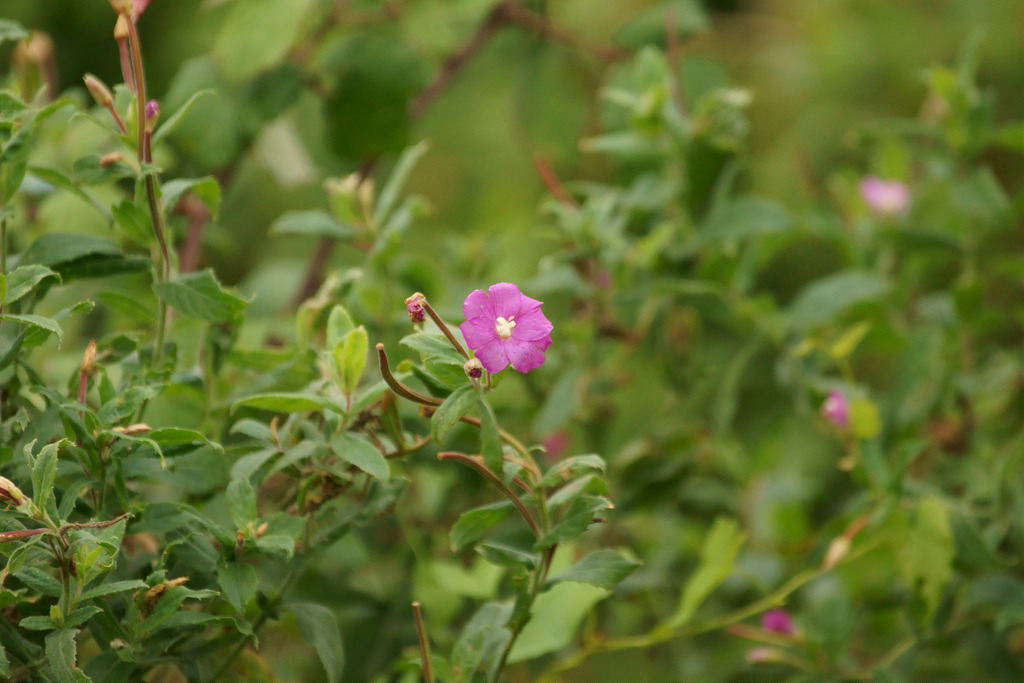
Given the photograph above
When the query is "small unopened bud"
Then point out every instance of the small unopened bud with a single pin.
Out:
(99, 91)
(10, 491)
(134, 430)
(414, 304)
(111, 159)
(778, 621)
(121, 28)
(89, 357)
(837, 550)
(764, 655)
(152, 113)
(474, 368)
(262, 529)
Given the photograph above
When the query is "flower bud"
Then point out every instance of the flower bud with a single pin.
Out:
(837, 550)
(836, 409)
(89, 357)
(778, 621)
(111, 158)
(414, 304)
(10, 491)
(99, 91)
(764, 655)
(134, 430)
(152, 113)
(474, 368)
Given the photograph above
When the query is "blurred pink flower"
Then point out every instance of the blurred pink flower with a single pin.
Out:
(555, 444)
(505, 326)
(886, 197)
(777, 621)
(836, 409)
(152, 110)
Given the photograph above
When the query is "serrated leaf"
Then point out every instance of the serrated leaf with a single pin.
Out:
(311, 223)
(603, 568)
(201, 297)
(206, 188)
(23, 279)
(319, 627)
(339, 324)
(238, 584)
(454, 407)
(717, 558)
(48, 325)
(241, 501)
(361, 453)
(577, 518)
(472, 524)
(282, 402)
(61, 654)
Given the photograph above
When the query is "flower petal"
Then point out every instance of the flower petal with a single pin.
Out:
(524, 356)
(478, 305)
(532, 326)
(479, 333)
(506, 298)
(493, 357)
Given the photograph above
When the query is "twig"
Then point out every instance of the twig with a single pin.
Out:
(554, 185)
(401, 389)
(477, 464)
(519, 15)
(421, 632)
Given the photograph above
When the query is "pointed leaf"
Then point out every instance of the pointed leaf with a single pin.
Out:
(319, 628)
(472, 524)
(201, 297)
(602, 568)
(717, 557)
(361, 453)
(454, 407)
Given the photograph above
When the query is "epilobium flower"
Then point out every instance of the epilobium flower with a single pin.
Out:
(836, 409)
(778, 621)
(886, 197)
(505, 326)
(414, 304)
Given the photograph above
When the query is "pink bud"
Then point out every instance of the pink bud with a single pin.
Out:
(152, 110)
(414, 304)
(885, 197)
(777, 621)
(836, 409)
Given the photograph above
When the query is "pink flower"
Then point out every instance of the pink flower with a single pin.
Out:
(152, 110)
(505, 326)
(886, 197)
(836, 409)
(777, 621)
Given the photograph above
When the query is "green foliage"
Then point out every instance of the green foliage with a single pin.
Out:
(754, 400)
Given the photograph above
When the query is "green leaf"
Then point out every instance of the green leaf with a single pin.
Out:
(177, 436)
(647, 27)
(48, 325)
(744, 218)
(12, 30)
(168, 126)
(823, 300)
(433, 346)
(717, 557)
(556, 616)
(282, 402)
(319, 627)
(61, 653)
(472, 524)
(21, 280)
(573, 467)
(44, 472)
(339, 324)
(602, 568)
(578, 517)
(350, 358)
(201, 297)
(206, 188)
(57, 248)
(255, 35)
(865, 422)
(241, 500)
(238, 584)
(112, 588)
(361, 453)
(490, 439)
(483, 639)
(389, 194)
(311, 223)
(454, 407)
(924, 547)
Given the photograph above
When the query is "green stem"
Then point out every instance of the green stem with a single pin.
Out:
(539, 577)
(421, 631)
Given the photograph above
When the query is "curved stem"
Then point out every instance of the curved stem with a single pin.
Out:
(479, 466)
(444, 329)
(399, 388)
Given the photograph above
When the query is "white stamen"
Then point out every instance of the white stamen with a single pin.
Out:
(504, 327)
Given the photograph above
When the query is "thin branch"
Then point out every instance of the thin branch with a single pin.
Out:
(554, 185)
(538, 23)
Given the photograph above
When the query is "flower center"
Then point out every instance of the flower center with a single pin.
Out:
(504, 327)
